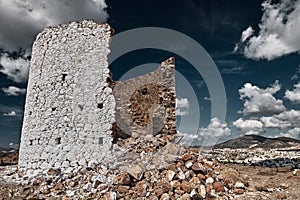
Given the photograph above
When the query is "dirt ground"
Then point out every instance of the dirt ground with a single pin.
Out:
(264, 183)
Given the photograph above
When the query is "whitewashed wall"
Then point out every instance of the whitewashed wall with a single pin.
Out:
(69, 105)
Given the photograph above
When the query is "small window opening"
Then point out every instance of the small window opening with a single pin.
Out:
(58, 140)
(100, 105)
(53, 109)
(80, 107)
(30, 142)
(101, 140)
(64, 77)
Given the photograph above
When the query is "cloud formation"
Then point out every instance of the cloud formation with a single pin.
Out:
(261, 101)
(14, 91)
(293, 133)
(15, 69)
(293, 95)
(279, 32)
(262, 111)
(22, 20)
(215, 129)
(10, 114)
(247, 33)
(182, 104)
(289, 117)
(249, 126)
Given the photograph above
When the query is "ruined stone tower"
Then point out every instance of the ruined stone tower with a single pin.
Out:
(69, 105)
(146, 104)
(73, 108)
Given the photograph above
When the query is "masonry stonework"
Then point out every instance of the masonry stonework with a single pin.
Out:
(69, 108)
(74, 110)
(146, 104)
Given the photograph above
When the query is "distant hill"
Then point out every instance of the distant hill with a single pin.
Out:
(3, 149)
(256, 141)
(8, 156)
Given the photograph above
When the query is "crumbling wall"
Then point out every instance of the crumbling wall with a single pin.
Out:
(69, 108)
(146, 104)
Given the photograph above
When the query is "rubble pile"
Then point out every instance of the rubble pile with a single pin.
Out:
(189, 177)
(149, 167)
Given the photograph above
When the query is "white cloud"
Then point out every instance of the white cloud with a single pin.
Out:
(247, 33)
(13, 145)
(291, 116)
(14, 91)
(274, 122)
(293, 133)
(207, 98)
(11, 113)
(215, 129)
(249, 126)
(16, 69)
(187, 138)
(279, 32)
(182, 104)
(261, 101)
(286, 119)
(268, 113)
(181, 113)
(187, 135)
(293, 95)
(22, 20)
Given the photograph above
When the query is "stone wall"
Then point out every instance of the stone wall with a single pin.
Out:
(72, 112)
(146, 104)
(69, 108)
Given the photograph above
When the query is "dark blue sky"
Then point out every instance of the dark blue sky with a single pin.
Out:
(268, 51)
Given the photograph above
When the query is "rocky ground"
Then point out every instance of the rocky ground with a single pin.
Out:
(172, 172)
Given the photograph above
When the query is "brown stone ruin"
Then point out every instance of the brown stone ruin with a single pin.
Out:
(146, 104)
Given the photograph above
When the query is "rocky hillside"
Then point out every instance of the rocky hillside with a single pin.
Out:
(9, 157)
(256, 141)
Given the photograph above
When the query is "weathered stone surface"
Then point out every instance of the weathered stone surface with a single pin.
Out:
(165, 196)
(146, 104)
(122, 188)
(170, 175)
(210, 180)
(136, 171)
(69, 105)
(122, 179)
(239, 184)
(218, 187)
